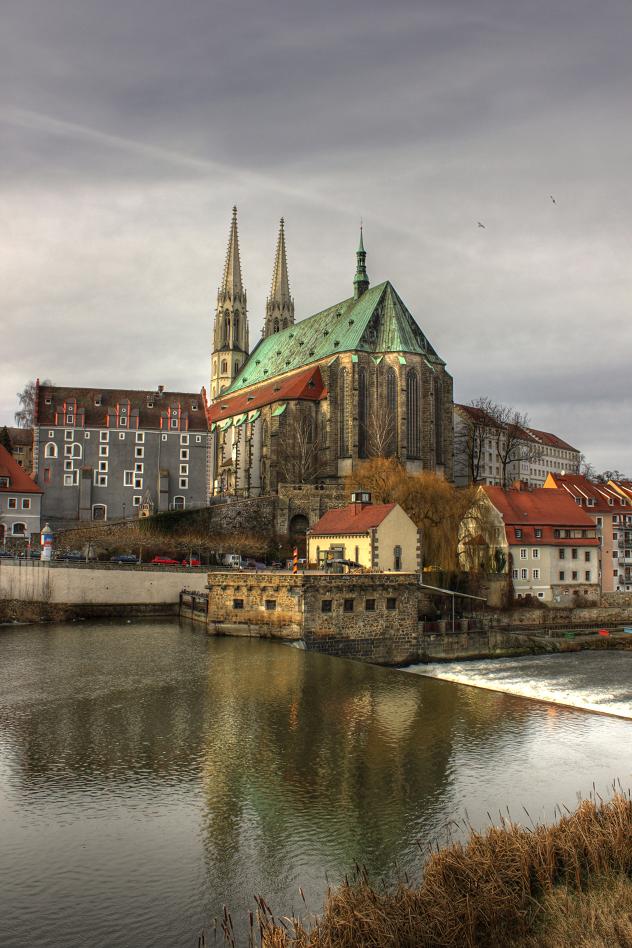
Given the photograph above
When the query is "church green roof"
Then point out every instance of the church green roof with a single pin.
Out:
(378, 322)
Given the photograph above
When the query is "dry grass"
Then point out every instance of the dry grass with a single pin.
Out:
(559, 885)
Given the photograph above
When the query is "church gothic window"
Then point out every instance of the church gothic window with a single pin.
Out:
(363, 413)
(224, 366)
(438, 426)
(276, 325)
(413, 415)
(391, 408)
(343, 391)
(236, 329)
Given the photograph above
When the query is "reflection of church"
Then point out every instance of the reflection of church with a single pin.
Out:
(313, 398)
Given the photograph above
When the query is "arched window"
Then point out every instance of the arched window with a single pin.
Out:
(392, 417)
(179, 503)
(438, 426)
(75, 450)
(343, 393)
(236, 330)
(363, 413)
(224, 368)
(413, 415)
(276, 325)
(226, 328)
(19, 529)
(50, 451)
(99, 512)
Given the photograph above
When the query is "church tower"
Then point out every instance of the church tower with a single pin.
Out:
(280, 305)
(361, 278)
(230, 332)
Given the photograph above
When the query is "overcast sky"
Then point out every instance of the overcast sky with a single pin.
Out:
(129, 129)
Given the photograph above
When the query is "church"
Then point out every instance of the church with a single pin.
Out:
(317, 397)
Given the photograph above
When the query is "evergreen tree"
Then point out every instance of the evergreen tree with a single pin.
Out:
(5, 439)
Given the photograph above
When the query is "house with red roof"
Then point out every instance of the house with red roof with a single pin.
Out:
(20, 502)
(546, 541)
(610, 508)
(375, 536)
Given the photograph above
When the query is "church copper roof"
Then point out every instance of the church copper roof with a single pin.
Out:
(378, 322)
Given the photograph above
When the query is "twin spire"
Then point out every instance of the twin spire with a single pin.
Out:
(231, 287)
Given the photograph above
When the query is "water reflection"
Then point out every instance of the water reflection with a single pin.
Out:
(149, 774)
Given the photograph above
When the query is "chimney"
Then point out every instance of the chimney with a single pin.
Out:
(360, 499)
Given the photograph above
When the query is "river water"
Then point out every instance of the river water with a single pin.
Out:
(150, 774)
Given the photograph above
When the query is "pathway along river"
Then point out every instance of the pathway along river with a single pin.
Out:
(149, 774)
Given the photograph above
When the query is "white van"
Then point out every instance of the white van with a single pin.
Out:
(232, 560)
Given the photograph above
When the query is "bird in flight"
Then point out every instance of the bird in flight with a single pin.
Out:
(481, 225)
(552, 198)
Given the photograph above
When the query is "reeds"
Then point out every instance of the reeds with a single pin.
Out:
(502, 887)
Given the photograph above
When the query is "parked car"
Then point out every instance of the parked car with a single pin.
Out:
(276, 565)
(165, 561)
(71, 556)
(124, 558)
(7, 554)
(192, 562)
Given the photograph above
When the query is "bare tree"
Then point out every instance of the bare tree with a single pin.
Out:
(381, 434)
(586, 469)
(300, 456)
(475, 423)
(26, 412)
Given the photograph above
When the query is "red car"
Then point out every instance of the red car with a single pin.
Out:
(165, 561)
(191, 562)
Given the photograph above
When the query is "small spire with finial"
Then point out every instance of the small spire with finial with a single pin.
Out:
(361, 278)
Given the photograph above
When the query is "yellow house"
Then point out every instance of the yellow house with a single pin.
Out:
(376, 536)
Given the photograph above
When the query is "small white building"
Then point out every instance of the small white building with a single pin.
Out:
(20, 501)
(376, 536)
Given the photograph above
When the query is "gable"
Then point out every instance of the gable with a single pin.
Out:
(378, 322)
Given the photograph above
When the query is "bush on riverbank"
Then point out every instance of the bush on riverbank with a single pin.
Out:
(569, 883)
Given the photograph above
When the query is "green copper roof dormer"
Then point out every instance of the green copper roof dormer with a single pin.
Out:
(377, 323)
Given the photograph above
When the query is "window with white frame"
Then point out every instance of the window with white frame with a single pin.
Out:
(12, 503)
(198, 439)
(514, 574)
(18, 529)
(535, 553)
(121, 436)
(524, 574)
(164, 437)
(100, 480)
(104, 436)
(26, 503)
(103, 467)
(138, 481)
(140, 436)
(536, 573)
(69, 434)
(184, 483)
(68, 450)
(86, 435)
(523, 554)
(139, 452)
(184, 470)
(51, 434)
(179, 503)
(71, 479)
(103, 450)
(68, 466)
(138, 467)
(128, 478)
(122, 423)
(184, 454)
(76, 450)
(174, 423)
(136, 500)
(99, 512)
(50, 451)
(184, 439)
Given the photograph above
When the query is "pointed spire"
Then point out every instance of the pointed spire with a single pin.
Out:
(361, 278)
(231, 284)
(280, 290)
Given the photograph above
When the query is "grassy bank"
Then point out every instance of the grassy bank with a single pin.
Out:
(554, 886)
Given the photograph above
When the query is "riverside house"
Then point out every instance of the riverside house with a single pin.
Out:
(20, 500)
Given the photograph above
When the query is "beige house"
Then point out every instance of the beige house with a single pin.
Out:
(376, 536)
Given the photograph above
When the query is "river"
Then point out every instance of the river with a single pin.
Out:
(150, 774)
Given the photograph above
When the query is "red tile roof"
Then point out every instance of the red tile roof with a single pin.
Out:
(93, 405)
(551, 440)
(307, 384)
(355, 518)
(542, 508)
(19, 481)
(578, 486)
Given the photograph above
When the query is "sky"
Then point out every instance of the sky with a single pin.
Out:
(129, 129)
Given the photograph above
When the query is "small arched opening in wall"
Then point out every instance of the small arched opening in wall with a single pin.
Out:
(298, 527)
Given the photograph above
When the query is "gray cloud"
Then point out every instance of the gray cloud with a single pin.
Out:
(128, 132)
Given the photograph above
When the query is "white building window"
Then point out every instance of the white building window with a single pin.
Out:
(50, 451)
(99, 512)
(536, 573)
(139, 452)
(178, 503)
(138, 482)
(68, 434)
(184, 439)
(138, 467)
(68, 466)
(524, 574)
(140, 436)
(121, 436)
(128, 478)
(164, 437)
(100, 480)
(184, 454)
(523, 554)
(12, 503)
(136, 499)
(86, 435)
(198, 439)
(26, 503)
(76, 450)
(103, 467)
(514, 574)
(184, 483)
(174, 423)
(72, 479)
(103, 450)
(184, 470)
(535, 553)
(18, 529)
(104, 436)
(51, 434)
